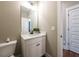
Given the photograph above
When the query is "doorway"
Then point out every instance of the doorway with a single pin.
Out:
(72, 32)
(69, 43)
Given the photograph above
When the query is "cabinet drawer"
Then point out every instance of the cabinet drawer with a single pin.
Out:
(34, 40)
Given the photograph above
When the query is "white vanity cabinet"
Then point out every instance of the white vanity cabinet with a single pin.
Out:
(33, 45)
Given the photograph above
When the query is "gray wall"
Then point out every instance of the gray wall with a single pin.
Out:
(10, 22)
(47, 19)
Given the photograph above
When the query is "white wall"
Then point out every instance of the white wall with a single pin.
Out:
(47, 19)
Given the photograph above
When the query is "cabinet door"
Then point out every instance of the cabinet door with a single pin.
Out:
(35, 49)
(32, 50)
(39, 49)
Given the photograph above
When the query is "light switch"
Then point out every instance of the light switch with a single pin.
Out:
(53, 28)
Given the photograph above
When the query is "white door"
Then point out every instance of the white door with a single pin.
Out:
(74, 30)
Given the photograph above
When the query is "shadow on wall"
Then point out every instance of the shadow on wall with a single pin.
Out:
(18, 50)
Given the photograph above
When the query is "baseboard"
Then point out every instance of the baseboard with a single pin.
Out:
(48, 55)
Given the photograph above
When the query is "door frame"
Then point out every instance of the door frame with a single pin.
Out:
(60, 27)
(59, 30)
(67, 23)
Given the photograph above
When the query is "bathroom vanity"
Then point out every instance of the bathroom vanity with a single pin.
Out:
(33, 45)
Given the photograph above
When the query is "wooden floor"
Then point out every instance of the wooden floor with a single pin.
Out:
(67, 53)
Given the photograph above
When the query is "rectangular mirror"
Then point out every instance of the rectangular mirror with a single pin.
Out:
(29, 16)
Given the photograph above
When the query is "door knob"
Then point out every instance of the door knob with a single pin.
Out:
(61, 36)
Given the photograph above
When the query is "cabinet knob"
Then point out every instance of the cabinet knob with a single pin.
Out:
(37, 44)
